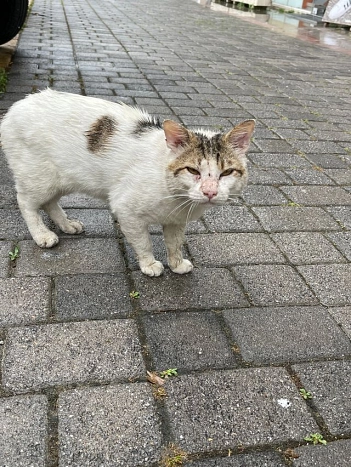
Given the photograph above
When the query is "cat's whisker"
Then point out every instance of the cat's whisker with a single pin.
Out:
(179, 207)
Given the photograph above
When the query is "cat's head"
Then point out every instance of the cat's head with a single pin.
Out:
(208, 167)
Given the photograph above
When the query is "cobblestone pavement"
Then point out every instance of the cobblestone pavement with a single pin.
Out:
(265, 313)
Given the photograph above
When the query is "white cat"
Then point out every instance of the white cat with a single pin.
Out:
(58, 143)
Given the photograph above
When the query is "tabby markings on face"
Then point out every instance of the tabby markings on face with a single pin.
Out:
(100, 133)
(215, 148)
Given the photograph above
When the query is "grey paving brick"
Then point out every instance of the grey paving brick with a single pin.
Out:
(340, 176)
(330, 282)
(113, 425)
(23, 431)
(274, 285)
(342, 316)
(234, 248)
(317, 195)
(97, 222)
(311, 176)
(210, 411)
(329, 383)
(342, 214)
(7, 196)
(307, 248)
(92, 296)
(58, 354)
(327, 161)
(286, 334)
(70, 256)
(194, 290)
(12, 225)
(337, 453)
(187, 341)
(342, 240)
(268, 176)
(279, 160)
(292, 218)
(257, 459)
(263, 195)
(24, 301)
(231, 219)
(5, 248)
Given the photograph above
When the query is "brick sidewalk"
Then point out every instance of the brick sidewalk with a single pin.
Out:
(267, 309)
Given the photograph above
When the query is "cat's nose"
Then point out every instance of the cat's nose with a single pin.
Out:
(210, 193)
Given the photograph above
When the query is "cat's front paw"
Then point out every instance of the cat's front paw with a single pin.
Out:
(184, 267)
(47, 240)
(153, 270)
(73, 226)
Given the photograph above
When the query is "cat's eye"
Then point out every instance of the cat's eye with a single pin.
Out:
(192, 171)
(230, 172)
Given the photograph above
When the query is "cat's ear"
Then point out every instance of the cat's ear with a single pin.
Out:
(239, 137)
(176, 135)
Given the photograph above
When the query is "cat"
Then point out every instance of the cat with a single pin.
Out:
(58, 143)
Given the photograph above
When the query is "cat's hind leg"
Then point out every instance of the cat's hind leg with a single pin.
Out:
(29, 208)
(58, 215)
(174, 239)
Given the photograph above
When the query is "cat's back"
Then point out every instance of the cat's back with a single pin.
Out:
(48, 108)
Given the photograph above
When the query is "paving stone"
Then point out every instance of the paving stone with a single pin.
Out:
(308, 177)
(342, 316)
(281, 160)
(319, 147)
(194, 290)
(92, 296)
(342, 214)
(97, 222)
(231, 219)
(337, 453)
(24, 301)
(187, 341)
(248, 407)
(292, 218)
(109, 426)
(260, 176)
(342, 240)
(23, 431)
(12, 225)
(8, 196)
(257, 459)
(307, 248)
(330, 282)
(70, 256)
(263, 195)
(274, 285)
(329, 383)
(315, 195)
(340, 176)
(58, 354)
(327, 161)
(275, 335)
(233, 248)
(5, 248)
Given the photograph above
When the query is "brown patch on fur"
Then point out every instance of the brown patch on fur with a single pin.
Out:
(100, 132)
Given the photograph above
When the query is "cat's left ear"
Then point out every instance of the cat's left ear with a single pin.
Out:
(239, 137)
(176, 135)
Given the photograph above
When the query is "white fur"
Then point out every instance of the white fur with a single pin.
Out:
(44, 138)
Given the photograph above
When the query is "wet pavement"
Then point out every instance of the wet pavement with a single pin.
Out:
(259, 331)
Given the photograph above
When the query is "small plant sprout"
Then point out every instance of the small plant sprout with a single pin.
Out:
(305, 394)
(315, 438)
(14, 254)
(134, 294)
(168, 373)
(173, 457)
(292, 204)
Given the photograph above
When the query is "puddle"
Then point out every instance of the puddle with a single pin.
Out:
(305, 27)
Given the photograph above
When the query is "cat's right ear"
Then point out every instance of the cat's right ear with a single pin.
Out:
(176, 135)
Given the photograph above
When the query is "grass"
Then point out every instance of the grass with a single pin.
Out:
(3, 80)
